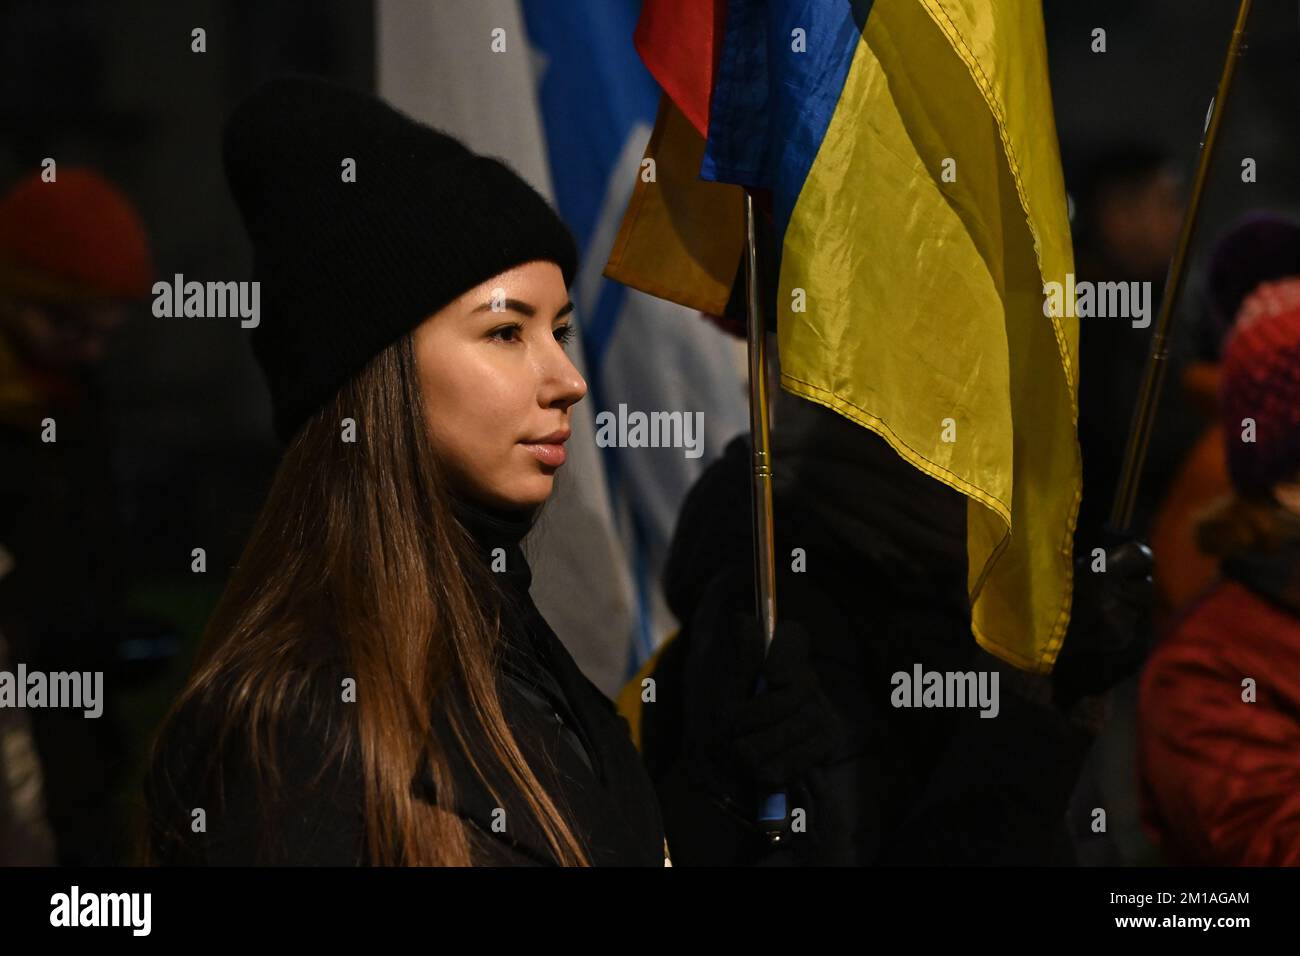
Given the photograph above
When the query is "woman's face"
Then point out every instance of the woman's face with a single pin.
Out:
(498, 384)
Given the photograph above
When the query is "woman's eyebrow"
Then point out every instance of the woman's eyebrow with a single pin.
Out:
(515, 305)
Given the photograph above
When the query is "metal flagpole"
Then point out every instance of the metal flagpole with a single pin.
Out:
(772, 808)
(1139, 436)
(764, 553)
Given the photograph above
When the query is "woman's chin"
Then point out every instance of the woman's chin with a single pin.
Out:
(529, 491)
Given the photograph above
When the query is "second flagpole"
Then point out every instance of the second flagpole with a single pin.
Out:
(772, 809)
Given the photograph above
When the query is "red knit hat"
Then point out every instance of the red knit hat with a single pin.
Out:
(77, 238)
(1260, 380)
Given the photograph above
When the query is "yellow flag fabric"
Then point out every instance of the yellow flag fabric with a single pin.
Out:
(681, 237)
(628, 702)
(912, 291)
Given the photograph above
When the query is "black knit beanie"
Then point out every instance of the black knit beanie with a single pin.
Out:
(346, 268)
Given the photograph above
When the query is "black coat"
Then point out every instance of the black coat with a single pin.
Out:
(569, 731)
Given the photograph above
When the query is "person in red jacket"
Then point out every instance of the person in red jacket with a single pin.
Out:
(1219, 706)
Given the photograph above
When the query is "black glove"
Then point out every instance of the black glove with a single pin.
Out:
(740, 744)
(1110, 628)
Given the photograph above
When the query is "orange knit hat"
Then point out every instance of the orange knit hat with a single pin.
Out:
(75, 239)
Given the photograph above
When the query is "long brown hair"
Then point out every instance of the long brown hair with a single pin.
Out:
(359, 538)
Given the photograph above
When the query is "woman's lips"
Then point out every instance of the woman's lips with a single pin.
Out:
(551, 454)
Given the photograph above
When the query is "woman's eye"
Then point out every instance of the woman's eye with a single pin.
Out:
(510, 333)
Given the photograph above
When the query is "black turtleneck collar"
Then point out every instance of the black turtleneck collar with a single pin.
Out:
(493, 527)
(524, 630)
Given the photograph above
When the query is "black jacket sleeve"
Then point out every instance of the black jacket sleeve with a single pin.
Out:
(313, 818)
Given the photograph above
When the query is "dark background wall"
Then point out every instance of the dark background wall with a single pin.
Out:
(115, 85)
(1155, 83)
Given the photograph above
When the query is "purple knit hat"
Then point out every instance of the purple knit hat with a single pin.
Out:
(1260, 247)
(1260, 384)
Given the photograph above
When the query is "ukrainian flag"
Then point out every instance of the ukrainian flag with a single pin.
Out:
(911, 157)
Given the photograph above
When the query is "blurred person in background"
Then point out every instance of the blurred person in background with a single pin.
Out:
(73, 256)
(1219, 707)
(1258, 248)
(1128, 202)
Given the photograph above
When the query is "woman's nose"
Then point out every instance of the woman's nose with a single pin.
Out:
(574, 385)
(565, 384)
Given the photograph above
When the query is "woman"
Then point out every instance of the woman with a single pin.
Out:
(376, 685)
(1218, 729)
(358, 602)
